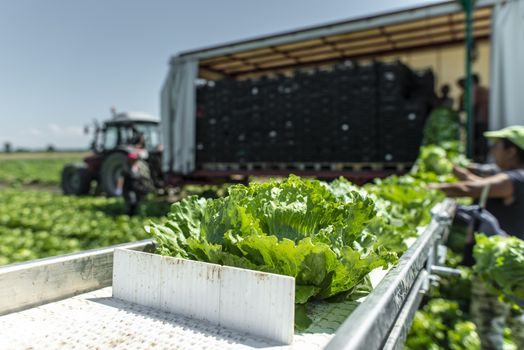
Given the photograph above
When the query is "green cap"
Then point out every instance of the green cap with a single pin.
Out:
(513, 133)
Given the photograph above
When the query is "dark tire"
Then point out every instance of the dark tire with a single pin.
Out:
(76, 180)
(111, 170)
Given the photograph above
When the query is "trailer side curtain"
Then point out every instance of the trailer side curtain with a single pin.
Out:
(507, 67)
(166, 122)
(178, 116)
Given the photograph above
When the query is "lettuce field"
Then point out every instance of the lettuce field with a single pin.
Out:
(35, 168)
(36, 221)
(36, 224)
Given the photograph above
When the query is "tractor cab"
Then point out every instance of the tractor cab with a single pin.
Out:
(112, 142)
(124, 129)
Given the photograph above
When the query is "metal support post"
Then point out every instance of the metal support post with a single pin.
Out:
(469, 6)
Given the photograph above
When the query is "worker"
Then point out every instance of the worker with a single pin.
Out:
(135, 182)
(506, 203)
(480, 116)
(444, 100)
(139, 143)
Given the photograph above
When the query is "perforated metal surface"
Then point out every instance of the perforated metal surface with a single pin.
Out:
(97, 321)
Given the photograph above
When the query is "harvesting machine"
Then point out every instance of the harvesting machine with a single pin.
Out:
(103, 299)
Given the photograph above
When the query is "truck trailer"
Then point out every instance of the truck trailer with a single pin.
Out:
(327, 101)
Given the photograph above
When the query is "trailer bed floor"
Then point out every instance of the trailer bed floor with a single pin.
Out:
(96, 320)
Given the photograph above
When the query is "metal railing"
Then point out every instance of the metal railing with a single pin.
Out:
(383, 320)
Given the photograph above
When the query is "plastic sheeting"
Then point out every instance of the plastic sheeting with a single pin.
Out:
(178, 110)
(507, 65)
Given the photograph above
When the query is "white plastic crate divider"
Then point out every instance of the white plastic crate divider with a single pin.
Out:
(258, 303)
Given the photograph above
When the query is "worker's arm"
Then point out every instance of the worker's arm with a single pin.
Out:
(501, 186)
(464, 174)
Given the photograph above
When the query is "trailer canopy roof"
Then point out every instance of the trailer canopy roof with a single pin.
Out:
(386, 34)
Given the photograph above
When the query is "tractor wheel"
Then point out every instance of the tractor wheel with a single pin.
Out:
(111, 170)
(76, 180)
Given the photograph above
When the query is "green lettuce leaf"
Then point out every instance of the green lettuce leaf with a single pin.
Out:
(500, 262)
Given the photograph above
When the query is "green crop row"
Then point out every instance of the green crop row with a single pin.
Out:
(26, 171)
(37, 224)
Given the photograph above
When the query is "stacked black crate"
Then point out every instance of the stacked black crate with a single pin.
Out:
(284, 121)
(301, 119)
(220, 120)
(262, 113)
(365, 113)
(367, 116)
(283, 132)
(364, 118)
(323, 100)
(257, 108)
(400, 117)
(236, 116)
(286, 130)
(264, 105)
(212, 120)
(203, 150)
(343, 110)
(256, 126)
(320, 103)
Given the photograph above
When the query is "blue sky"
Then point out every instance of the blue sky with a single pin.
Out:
(64, 63)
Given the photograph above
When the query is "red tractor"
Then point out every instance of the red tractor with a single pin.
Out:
(111, 145)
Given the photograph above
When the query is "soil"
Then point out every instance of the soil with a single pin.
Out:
(33, 186)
